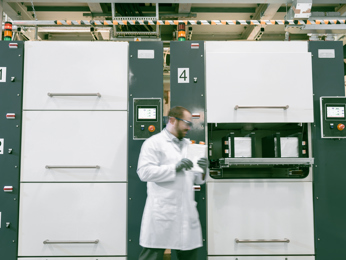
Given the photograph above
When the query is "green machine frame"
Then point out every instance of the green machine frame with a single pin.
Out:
(11, 93)
(329, 153)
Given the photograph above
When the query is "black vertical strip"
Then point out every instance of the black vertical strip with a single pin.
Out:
(232, 145)
(11, 93)
(192, 96)
(145, 81)
(253, 145)
(328, 171)
(225, 146)
(300, 144)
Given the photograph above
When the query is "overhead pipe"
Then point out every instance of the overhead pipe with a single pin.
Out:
(154, 21)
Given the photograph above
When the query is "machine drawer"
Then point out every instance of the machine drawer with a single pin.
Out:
(70, 219)
(241, 90)
(67, 68)
(261, 258)
(278, 214)
(95, 139)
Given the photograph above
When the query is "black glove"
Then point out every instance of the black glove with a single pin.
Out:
(183, 164)
(203, 163)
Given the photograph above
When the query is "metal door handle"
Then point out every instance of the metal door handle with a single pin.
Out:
(47, 241)
(74, 94)
(72, 167)
(285, 240)
(261, 107)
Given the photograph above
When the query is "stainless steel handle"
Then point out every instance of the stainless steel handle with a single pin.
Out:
(74, 94)
(285, 240)
(47, 241)
(72, 167)
(261, 107)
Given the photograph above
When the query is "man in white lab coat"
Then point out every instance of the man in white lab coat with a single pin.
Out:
(170, 219)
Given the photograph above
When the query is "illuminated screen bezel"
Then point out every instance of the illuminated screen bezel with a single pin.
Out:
(334, 117)
(147, 107)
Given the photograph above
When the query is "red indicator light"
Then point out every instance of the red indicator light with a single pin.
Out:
(8, 189)
(151, 128)
(10, 116)
(341, 127)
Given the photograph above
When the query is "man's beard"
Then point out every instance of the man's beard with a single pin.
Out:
(181, 133)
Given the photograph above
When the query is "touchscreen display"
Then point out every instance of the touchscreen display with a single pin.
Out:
(335, 112)
(148, 113)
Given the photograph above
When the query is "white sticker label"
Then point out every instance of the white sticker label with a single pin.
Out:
(146, 54)
(183, 75)
(326, 53)
(1, 145)
(2, 74)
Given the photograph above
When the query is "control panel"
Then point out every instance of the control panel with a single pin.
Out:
(333, 119)
(147, 114)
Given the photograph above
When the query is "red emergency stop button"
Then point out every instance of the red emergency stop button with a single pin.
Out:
(151, 128)
(341, 127)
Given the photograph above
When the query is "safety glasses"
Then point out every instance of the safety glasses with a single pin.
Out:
(189, 123)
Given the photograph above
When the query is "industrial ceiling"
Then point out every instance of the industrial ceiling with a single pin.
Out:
(51, 20)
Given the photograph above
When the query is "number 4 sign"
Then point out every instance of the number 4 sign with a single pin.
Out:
(183, 75)
(2, 74)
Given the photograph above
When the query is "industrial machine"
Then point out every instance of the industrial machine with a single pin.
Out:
(262, 188)
(66, 149)
(271, 113)
(267, 116)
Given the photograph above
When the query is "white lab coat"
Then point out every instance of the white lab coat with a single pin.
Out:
(170, 218)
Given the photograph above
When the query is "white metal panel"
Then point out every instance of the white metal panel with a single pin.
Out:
(260, 211)
(72, 212)
(74, 138)
(259, 79)
(75, 67)
(256, 46)
(261, 258)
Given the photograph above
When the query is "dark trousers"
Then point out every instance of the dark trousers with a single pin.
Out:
(157, 254)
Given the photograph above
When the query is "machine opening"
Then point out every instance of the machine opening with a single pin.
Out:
(259, 150)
